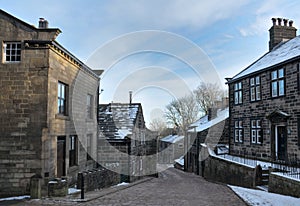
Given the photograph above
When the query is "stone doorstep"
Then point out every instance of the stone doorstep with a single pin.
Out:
(91, 195)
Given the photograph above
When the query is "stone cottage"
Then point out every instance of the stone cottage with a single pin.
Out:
(171, 148)
(265, 100)
(125, 145)
(48, 100)
(212, 130)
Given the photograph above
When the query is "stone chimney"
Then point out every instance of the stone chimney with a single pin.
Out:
(212, 113)
(43, 23)
(282, 30)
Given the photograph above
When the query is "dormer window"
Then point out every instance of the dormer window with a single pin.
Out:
(12, 51)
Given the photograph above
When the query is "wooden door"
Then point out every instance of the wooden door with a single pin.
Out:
(61, 156)
(281, 142)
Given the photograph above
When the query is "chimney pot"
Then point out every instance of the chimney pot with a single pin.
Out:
(43, 23)
(279, 21)
(274, 21)
(291, 23)
(130, 97)
(285, 21)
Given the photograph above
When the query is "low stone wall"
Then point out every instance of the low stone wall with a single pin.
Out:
(58, 187)
(284, 185)
(220, 170)
(97, 179)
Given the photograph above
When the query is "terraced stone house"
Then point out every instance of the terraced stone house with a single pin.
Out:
(48, 101)
(265, 100)
(125, 145)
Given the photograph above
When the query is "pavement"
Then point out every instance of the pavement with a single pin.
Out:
(172, 187)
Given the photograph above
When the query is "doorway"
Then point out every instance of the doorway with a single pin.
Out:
(280, 142)
(61, 156)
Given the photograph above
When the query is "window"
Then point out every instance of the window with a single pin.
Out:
(89, 147)
(73, 151)
(238, 131)
(238, 94)
(89, 106)
(277, 83)
(255, 89)
(12, 51)
(62, 98)
(256, 132)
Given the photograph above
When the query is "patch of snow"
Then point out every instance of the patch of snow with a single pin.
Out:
(258, 197)
(52, 182)
(122, 184)
(172, 138)
(180, 160)
(15, 198)
(122, 133)
(73, 190)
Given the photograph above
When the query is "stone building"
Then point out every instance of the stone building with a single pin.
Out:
(211, 130)
(125, 145)
(171, 148)
(265, 102)
(48, 99)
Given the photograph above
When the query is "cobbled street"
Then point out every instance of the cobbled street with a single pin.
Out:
(173, 187)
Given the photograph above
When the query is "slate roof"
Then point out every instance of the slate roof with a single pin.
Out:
(281, 54)
(116, 120)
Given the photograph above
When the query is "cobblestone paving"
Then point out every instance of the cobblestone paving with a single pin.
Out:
(173, 187)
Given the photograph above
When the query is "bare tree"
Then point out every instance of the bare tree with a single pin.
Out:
(158, 125)
(207, 94)
(182, 112)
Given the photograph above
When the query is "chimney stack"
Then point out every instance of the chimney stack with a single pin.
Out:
(43, 23)
(280, 33)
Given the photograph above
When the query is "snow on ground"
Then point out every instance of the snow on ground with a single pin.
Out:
(258, 197)
(73, 191)
(15, 198)
(123, 183)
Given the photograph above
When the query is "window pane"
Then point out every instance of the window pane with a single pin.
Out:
(280, 73)
(281, 87)
(236, 97)
(236, 135)
(274, 75)
(240, 97)
(240, 85)
(258, 93)
(252, 93)
(252, 81)
(258, 123)
(253, 123)
(240, 135)
(236, 124)
(240, 124)
(236, 86)
(253, 136)
(274, 89)
(257, 80)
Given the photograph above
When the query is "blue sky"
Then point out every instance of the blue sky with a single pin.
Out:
(231, 34)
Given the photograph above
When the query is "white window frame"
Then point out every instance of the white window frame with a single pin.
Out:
(12, 52)
(256, 131)
(238, 93)
(238, 131)
(255, 91)
(278, 83)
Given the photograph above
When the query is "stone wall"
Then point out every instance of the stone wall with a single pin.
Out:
(220, 170)
(284, 185)
(97, 179)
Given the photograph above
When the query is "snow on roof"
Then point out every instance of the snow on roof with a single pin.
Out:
(117, 120)
(180, 160)
(172, 138)
(281, 53)
(221, 115)
(200, 121)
